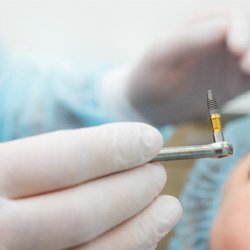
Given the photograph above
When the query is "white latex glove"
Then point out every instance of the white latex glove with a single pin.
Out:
(64, 189)
(169, 84)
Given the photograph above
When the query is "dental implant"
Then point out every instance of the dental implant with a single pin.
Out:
(218, 149)
(215, 117)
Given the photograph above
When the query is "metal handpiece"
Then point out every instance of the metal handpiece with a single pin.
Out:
(213, 150)
(218, 149)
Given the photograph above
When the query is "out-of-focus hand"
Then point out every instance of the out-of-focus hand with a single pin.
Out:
(85, 189)
(211, 51)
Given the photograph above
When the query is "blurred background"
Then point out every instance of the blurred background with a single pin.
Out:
(66, 33)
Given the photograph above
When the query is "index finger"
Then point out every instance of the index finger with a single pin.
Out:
(62, 159)
(238, 37)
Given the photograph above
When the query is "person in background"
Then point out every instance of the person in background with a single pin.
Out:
(93, 188)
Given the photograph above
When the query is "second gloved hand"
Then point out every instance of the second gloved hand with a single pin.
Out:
(169, 84)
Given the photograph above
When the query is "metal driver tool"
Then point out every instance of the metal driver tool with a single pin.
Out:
(220, 148)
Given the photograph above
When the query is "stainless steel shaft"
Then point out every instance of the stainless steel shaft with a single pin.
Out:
(213, 150)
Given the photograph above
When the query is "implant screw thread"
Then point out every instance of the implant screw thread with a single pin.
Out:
(215, 117)
(212, 103)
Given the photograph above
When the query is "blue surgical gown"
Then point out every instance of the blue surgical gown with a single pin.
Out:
(34, 101)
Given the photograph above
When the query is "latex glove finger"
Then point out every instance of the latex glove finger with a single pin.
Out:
(208, 15)
(143, 231)
(231, 24)
(74, 216)
(238, 35)
(238, 38)
(190, 39)
(63, 159)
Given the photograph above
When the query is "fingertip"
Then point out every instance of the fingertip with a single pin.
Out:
(170, 210)
(164, 214)
(145, 140)
(159, 173)
(211, 30)
(152, 139)
(129, 144)
(238, 36)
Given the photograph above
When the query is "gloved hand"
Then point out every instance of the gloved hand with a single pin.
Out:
(85, 189)
(169, 84)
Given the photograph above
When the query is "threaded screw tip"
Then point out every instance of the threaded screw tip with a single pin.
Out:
(212, 103)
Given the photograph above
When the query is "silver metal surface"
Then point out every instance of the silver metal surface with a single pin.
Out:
(218, 137)
(213, 150)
